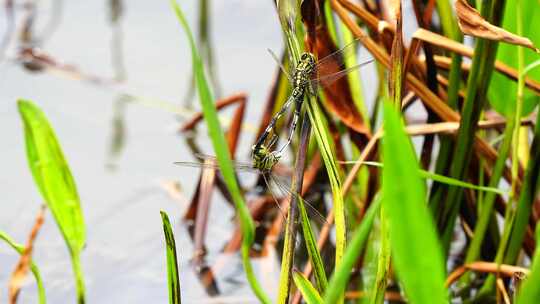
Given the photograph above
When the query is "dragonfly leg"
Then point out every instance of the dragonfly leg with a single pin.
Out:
(294, 123)
(272, 141)
(273, 122)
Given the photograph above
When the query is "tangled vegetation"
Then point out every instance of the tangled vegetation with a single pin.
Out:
(379, 204)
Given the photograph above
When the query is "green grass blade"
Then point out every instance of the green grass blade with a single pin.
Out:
(55, 182)
(450, 29)
(324, 140)
(172, 261)
(222, 153)
(33, 267)
(309, 292)
(287, 12)
(313, 251)
(530, 289)
(288, 17)
(383, 264)
(445, 179)
(475, 100)
(531, 67)
(286, 262)
(486, 212)
(454, 182)
(529, 190)
(338, 281)
(355, 82)
(417, 254)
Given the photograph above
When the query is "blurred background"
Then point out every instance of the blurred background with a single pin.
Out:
(113, 78)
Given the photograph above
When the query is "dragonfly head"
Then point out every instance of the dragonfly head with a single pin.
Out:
(263, 158)
(307, 62)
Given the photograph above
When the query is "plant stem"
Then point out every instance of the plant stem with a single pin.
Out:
(487, 204)
(383, 262)
(79, 281)
(478, 82)
(292, 215)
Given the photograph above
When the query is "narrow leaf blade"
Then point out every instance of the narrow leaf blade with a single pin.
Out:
(309, 292)
(416, 252)
(172, 261)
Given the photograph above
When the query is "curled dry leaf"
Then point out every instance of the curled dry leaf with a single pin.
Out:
(21, 270)
(472, 23)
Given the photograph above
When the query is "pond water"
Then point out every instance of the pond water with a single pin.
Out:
(124, 259)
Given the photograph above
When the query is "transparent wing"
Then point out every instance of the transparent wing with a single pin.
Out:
(332, 67)
(327, 80)
(278, 61)
(197, 165)
(211, 162)
(267, 180)
(311, 210)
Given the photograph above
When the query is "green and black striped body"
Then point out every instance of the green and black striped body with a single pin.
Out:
(263, 159)
(302, 76)
(303, 73)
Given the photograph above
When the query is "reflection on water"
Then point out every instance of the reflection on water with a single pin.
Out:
(78, 60)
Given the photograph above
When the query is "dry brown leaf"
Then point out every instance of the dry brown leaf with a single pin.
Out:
(485, 267)
(415, 84)
(459, 48)
(472, 23)
(220, 104)
(338, 100)
(21, 270)
(509, 72)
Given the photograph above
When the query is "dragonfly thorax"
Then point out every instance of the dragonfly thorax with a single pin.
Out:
(263, 158)
(304, 70)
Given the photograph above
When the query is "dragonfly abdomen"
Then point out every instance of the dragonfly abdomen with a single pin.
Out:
(298, 92)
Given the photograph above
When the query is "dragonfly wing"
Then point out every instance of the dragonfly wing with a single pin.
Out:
(337, 56)
(327, 80)
(332, 67)
(197, 165)
(268, 181)
(210, 161)
(278, 61)
(318, 217)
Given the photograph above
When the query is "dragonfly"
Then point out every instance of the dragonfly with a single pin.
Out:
(306, 77)
(264, 167)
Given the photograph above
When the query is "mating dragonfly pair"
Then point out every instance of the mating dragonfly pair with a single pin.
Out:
(306, 77)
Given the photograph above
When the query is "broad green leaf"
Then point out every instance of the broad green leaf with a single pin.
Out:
(172, 261)
(416, 251)
(52, 174)
(33, 267)
(55, 182)
(502, 91)
(341, 275)
(309, 292)
(530, 289)
(219, 143)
